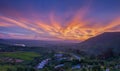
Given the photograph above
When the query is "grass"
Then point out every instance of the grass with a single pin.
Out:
(5, 67)
(15, 68)
(20, 55)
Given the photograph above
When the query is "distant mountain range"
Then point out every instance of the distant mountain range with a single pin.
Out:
(35, 43)
(100, 43)
(95, 45)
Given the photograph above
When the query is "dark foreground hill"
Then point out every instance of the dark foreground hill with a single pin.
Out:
(101, 43)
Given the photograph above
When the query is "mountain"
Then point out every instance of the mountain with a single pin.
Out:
(92, 46)
(34, 43)
(101, 43)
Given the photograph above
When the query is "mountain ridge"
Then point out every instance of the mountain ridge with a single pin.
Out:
(101, 43)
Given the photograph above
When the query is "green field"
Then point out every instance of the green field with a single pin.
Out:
(27, 57)
(20, 55)
(15, 68)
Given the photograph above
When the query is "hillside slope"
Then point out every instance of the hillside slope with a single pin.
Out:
(100, 43)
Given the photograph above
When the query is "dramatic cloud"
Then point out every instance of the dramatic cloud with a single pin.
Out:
(58, 19)
(74, 29)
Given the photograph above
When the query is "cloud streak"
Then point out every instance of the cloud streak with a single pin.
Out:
(74, 29)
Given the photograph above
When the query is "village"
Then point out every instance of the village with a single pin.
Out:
(71, 62)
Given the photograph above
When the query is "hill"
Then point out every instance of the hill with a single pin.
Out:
(101, 43)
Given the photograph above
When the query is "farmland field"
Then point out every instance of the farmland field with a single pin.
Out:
(20, 55)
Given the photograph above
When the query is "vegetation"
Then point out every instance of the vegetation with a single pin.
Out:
(20, 55)
(28, 58)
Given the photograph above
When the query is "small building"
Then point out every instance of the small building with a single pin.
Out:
(107, 69)
(117, 66)
(59, 55)
(76, 66)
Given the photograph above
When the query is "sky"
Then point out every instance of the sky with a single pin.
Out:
(58, 19)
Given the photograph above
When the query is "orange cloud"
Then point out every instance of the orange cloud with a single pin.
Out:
(75, 29)
(22, 24)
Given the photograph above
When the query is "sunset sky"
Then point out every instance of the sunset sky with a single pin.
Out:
(58, 19)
